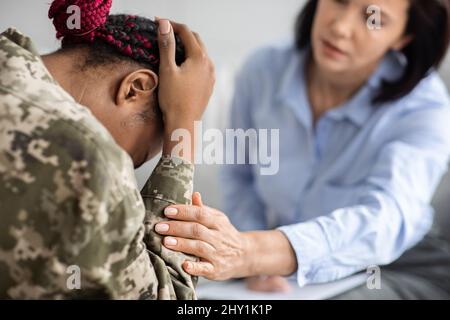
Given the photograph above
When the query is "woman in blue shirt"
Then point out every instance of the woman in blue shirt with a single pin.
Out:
(364, 141)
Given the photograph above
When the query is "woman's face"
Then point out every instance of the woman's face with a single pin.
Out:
(342, 40)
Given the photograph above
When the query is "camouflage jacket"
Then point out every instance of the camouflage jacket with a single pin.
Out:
(69, 201)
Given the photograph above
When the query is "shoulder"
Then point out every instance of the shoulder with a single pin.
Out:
(429, 99)
(65, 175)
(273, 55)
(425, 111)
(86, 152)
(269, 62)
(58, 140)
(431, 92)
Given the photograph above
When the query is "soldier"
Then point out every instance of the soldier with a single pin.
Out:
(73, 125)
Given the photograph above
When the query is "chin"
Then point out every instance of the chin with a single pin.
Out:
(146, 158)
(139, 161)
(138, 165)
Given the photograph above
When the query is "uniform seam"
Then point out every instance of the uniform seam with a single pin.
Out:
(158, 198)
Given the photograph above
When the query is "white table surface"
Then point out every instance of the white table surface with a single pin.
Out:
(236, 290)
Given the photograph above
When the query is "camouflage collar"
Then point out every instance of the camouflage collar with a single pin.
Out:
(19, 43)
(21, 40)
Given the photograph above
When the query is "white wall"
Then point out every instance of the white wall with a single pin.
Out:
(230, 28)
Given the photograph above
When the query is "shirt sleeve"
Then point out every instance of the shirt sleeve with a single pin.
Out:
(391, 212)
(242, 204)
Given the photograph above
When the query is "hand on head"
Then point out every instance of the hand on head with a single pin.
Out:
(185, 90)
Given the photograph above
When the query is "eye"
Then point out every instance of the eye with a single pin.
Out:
(370, 14)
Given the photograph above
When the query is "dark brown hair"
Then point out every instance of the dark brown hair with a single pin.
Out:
(428, 24)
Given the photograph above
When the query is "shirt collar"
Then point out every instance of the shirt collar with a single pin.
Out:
(359, 108)
(23, 46)
(292, 89)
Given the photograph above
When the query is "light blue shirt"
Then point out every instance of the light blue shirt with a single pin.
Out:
(356, 190)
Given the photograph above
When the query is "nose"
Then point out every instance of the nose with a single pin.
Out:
(343, 24)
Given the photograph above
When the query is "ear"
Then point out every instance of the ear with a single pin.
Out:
(402, 42)
(137, 88)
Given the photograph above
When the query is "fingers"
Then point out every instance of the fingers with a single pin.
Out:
(200, 42)
(185, 34)
(200, 269)
(188, 230)
(193, 44)
(166, 43)
(194, 247)
(190, 42)
(203, 215)
(197, 199)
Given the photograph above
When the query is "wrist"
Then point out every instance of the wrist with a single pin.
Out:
(176, 120)
(250, 265)
(268, 253)
(171, 127)
(179, 137)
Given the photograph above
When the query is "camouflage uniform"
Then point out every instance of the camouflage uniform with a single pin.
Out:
(68, 196)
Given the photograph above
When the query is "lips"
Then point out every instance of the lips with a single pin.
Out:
(332, 49)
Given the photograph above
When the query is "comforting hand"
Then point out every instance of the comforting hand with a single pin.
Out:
(208, 234)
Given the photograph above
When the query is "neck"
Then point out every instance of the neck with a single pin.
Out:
(61, 68)
(329, 90)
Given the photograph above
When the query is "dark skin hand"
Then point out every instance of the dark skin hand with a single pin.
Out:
(184, 91)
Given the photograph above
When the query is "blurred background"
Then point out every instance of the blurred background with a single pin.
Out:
(231, 29)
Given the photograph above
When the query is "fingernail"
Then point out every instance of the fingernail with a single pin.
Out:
(188, 265)
(164, 27)
(162, 227)
(170, 212)
(170, 241)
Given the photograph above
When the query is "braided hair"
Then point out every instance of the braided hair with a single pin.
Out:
(111, 38)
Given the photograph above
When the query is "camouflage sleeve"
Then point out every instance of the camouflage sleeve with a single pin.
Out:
(72, 219)
(170, 183)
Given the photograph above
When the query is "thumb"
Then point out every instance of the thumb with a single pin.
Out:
(197, 199)
(166, 43)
